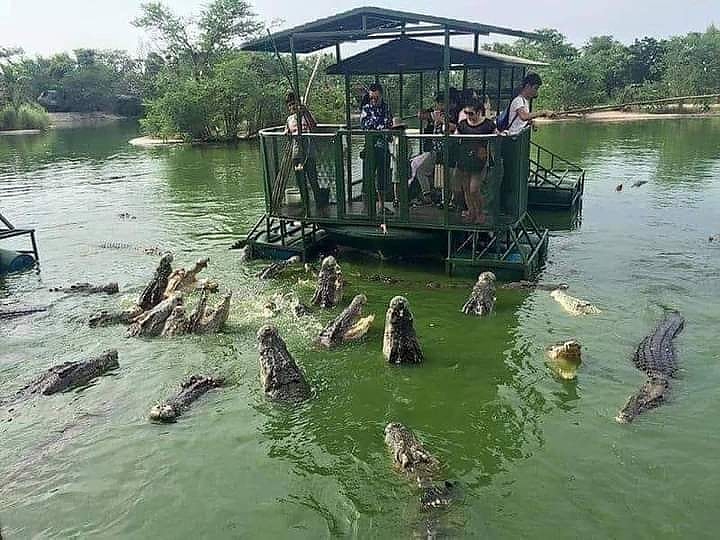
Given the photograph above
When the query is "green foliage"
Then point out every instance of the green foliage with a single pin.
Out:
(201, 41)
(26, 116)
(606, 71)
(184, 108)
(692, 63)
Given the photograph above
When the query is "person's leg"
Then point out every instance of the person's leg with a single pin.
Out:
(477, 179)
(301, 182)
(312, 175)
(460, 179)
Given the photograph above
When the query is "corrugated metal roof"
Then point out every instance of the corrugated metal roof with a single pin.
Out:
(349, 25)
(407, 55)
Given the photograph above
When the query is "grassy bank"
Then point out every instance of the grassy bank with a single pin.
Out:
(25, 116)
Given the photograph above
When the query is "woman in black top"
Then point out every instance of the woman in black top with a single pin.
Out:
(473, 158)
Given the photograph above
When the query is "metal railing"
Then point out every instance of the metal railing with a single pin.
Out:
(547, 169)
(338, 176)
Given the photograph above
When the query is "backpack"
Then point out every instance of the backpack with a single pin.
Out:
(503, 120)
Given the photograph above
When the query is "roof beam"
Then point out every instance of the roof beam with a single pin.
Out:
(369, 33)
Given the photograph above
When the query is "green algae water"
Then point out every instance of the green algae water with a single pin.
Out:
(533, 456)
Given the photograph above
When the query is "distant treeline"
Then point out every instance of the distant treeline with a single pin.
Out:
(605, 71)
(197, 84)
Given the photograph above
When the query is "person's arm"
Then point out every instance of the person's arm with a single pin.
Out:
(525, 115)
(309, 118)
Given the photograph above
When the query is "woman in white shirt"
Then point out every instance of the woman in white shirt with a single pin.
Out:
(519, 115)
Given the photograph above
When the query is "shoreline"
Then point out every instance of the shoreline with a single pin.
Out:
(624, 116)
(9, 132)
(61, 120)
(153, 142)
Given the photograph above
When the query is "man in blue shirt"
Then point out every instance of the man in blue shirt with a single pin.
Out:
(375, 115)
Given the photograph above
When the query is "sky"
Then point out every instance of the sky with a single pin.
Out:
(49, 26)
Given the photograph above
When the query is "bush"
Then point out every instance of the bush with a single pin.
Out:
(26, 116)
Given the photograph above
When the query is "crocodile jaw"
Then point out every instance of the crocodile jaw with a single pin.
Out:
(359, 329)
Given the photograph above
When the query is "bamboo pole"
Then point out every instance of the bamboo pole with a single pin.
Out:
(598, 108)
(311, 80)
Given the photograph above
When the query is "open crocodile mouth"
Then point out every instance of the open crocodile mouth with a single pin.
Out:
(349, 325)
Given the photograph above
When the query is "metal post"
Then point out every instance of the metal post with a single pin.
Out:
(349, 138)
(437, 86)
(422, 92)
(476, 43)
(296, 90)
(499, 87)
(402, 109)
(446, 145)
(484, 87)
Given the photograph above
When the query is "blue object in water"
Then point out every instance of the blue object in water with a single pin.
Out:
(12, 261)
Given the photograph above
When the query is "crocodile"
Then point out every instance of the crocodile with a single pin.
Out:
(573, 305)
(564, 358)
(182, 280)
(154, 291)
(281, 377)
(202, 319)
(533, 285)
(147, 250)
(655, 356)
(88, 288)
(275, 269)
(207, 320)
(107, 318)
(152, 322)
(71, 375)
(400, 343)
(329, 289)
(246, 253)
(639, 183)
(300, 309)
(416, 462)
(482, 297)
(347, 326)
(177, 323)
(190, 391)
(20, 311)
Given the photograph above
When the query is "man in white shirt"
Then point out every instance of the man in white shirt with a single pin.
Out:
(519, 114)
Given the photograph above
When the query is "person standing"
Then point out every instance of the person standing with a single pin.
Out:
(375, 115)
(519, 115)
(304, 153)
(473, 159)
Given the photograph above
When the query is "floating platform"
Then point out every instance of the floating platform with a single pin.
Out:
(554, 183)
(16, 260)
(513, 253)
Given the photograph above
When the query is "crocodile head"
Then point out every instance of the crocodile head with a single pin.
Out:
(564, 358)
(281, 377)
(487, 276)
(200, 265)
(650, 395)
(109, 360)
(349, 325)
(328, 290)
(400, 343)
(163, 412)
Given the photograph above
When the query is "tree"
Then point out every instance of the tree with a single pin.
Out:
(610, 59)
(646, 59)
(692, 63)
(201, 41)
